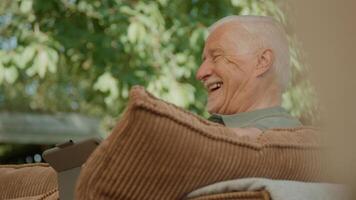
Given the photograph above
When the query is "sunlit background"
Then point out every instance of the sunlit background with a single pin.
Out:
(66, 66)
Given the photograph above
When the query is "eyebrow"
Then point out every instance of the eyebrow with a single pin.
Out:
(217, 50)
(213, 51)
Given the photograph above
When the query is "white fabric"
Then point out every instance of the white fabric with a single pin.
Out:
(278, 189)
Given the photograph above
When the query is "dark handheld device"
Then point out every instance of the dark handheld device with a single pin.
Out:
(66, 159)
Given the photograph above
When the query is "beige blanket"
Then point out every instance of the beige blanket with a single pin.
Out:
(278, 189)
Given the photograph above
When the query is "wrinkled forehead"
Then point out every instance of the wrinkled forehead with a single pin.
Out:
(231, 37)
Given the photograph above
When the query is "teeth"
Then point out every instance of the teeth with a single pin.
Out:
(215, 86)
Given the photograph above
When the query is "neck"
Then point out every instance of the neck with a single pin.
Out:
(253, 95)
(261, 95)
(268, 97)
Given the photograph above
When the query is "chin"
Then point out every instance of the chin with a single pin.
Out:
(212, 109)
(215, 102)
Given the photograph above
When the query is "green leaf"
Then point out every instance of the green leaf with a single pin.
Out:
(26, 6)
(10, 74)
(2, 71)
(132, 32)
(52, 60)
(26, 56)
(42, 63)
(107, 83)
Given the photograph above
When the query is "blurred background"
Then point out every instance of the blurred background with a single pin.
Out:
(66, 66)
(327, 32)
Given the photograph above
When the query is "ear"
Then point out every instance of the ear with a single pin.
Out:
(264, 62)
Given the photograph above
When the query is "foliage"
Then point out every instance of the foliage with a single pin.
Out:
(84, 56)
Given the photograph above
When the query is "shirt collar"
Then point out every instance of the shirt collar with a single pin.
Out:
(274, 117)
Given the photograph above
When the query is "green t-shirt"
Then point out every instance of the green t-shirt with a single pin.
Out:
(263, 119)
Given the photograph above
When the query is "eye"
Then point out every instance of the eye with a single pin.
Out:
(216, 57)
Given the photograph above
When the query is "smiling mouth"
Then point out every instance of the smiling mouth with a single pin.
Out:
(214, 86)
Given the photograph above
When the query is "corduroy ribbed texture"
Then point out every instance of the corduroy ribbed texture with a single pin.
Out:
(159, 151)
(247, 195)
(28, 181)
(51, 195)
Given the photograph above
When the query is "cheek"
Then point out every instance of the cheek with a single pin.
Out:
(234, 81)
(233, 77)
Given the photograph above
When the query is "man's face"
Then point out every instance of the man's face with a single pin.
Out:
(227, 68)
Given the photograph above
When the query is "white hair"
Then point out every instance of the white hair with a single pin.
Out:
(269, 34)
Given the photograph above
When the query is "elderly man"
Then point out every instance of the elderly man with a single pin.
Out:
(245, 70)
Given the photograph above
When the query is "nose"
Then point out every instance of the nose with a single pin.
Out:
(204, 71)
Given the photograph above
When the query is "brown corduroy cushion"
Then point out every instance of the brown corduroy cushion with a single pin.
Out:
(159, 151)
(51, 195)
(28, 181)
